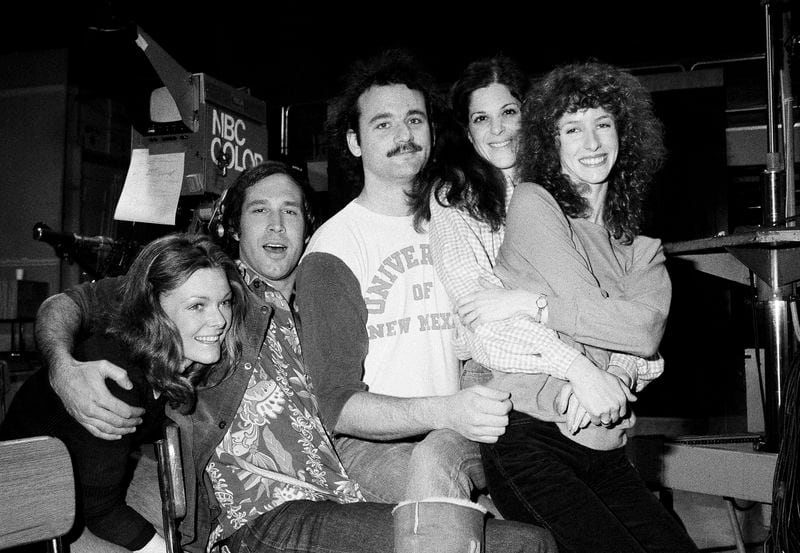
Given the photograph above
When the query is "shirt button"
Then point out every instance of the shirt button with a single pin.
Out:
(222, 424)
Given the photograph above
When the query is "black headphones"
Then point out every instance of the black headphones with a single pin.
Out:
(216, 224)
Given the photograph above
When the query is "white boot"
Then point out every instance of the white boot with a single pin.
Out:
(438, 525)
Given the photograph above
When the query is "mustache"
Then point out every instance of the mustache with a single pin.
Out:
(405, 148)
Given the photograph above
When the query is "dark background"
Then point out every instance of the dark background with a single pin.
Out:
(294, 53)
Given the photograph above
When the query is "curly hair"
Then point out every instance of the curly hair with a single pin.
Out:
(578, 86)
(230, 209)
(390, 67)
(152, 339)
(458, 175)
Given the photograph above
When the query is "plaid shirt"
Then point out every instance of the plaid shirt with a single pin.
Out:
(464, 252)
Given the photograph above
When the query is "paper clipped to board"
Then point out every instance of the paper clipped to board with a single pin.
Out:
(152, 188)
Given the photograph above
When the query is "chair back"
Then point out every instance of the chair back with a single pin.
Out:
(37, 491)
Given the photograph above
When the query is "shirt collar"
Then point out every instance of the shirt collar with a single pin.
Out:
(250, 275)
(259, 284)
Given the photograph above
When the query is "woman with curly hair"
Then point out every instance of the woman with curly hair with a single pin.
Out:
(181, 313)
(572, 259)
(468, 189)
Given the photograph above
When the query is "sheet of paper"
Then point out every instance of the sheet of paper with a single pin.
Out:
(152, 188)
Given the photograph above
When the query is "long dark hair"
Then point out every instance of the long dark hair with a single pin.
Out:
(152, 339)
(458, 175)
(573, 87)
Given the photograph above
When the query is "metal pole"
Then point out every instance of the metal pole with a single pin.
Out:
(168, 513)
(787, 115)
(779, 350)
(774, 185)
(772, 127)
(773, 299)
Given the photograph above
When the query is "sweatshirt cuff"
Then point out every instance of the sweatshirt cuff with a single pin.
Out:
(562, 315)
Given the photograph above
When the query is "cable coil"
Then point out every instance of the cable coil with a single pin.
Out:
(784, 535)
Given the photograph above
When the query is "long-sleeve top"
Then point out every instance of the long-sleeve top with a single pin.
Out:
(374, 314)
(464, 252)
(604, 295)
(275, 447)
(518, 350)
(101, 466)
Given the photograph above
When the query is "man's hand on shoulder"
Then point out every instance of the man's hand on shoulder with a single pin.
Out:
(82, 388)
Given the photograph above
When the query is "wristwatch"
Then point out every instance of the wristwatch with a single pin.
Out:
(541, 305)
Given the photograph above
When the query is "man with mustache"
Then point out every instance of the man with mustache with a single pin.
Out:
(377, 324)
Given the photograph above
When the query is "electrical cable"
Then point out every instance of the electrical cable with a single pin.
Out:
(784, 534)
(795, 325)
(784, 531)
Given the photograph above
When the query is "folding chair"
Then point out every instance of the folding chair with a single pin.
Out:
(170, 482)
(37, 492)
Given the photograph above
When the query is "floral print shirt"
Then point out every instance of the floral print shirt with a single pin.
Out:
(276, 449)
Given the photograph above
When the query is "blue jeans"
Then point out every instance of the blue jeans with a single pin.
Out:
(318, 527)
(442, 464)
(592, 501)
(473, 373)
(330, 527)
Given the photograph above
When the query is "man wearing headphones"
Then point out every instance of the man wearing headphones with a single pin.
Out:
(256, 457)
(267, 234)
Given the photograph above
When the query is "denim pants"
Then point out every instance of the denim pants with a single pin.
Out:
(442, 464)
(317, 527)
(592, 501)
(330, 527)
